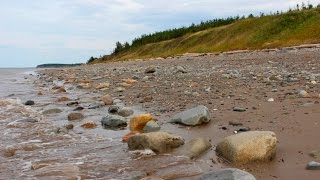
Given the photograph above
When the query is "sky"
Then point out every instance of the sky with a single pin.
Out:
(71, 31)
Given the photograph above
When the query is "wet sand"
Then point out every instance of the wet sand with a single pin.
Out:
(220, 82)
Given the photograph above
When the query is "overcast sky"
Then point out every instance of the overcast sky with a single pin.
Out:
(71, 31)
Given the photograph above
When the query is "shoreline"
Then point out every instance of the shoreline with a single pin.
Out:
(247, 80)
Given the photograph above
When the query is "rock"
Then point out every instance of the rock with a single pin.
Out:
(63, 99)
(113, 109)
(130, 81)
(78, 109)
(95, 106)
(303, 94)
(194, 148)
(239, 109)
(137, 123)
(235, 123)
(313, 166)
(181, 69)
(29, 103)
(89, 125)
(228, 174)
(120, 89)
(151, 126)
(113, 122)
(59, 171)
(107, 100)
(150, 70)
(69, 126)
(102, 86)
(270, 100)
(159, 142)
(126, 137)
(61, 90)
(192, 117)
(51, 111)
(125, 112)
(75, 116)
(75, 103)
(248, 147)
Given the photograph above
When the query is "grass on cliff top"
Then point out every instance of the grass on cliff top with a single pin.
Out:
(292, 28)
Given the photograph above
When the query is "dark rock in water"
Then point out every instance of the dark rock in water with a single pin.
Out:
(52, 111)
(113, 122)
(192, 117)
(28, 120)
(151, 126)
(125, 112)
(194, 148)
(228, 174)
(239, 109)
(69, 126)
(313, 166)
(29, 103)
(75, 116)
(72, 103)
(113, 109)
(78, 109)
(159, 142)
(95, 106)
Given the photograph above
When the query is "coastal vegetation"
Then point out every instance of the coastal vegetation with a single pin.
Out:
(294, 27)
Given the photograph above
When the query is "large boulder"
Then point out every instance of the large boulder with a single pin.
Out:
(113, 122)
(158, 142)
(194, 148)
(228, 174)
(248, 147)
(192, 117)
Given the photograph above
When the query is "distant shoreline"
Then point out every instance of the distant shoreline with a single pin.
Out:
(58, 65)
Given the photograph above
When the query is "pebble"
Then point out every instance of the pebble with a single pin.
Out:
(151, 126)
(270, 100)
(29, 103)
(78, 109)
(107, 100)
(313, 166)
(113, 122)
(150, 70)
(52, 111)
(89, 125)
(239, 109)
(113, 109)
(75, 116)
(125, 112)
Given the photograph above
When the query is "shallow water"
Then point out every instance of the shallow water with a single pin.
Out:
(31, 148)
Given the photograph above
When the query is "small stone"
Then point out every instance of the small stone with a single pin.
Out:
(63, 99)
(313, 166)
(270, 100)
(89, 125)
(150, 70)
(29, 103)
(75, 116)
(107, 100)
(239, 109)
(228, 174)
(113, 122)
(61, 90)
(315, 154)
(102, 86)
(125, 112)
(113, 109)
(69, 126)
(137, 123)
(303, 94)
(78, 109)
(181, 69)
(192, 117)
(52, 111)
(235, 123)
(120, 89)
(75, 103)
(151, 126)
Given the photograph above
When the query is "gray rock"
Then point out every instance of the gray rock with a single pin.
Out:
(113, 122)
(192, 117)
(181, 69)
(151, 126)
(313, 166)
(159, 142)
(194, 148)
(51, 111)
(29, 103)
(113, 109)
(239, 109)
(78, 108)
(75, 116)
(228, 174)
(125, 112)
(150, 70)
(260, 144)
